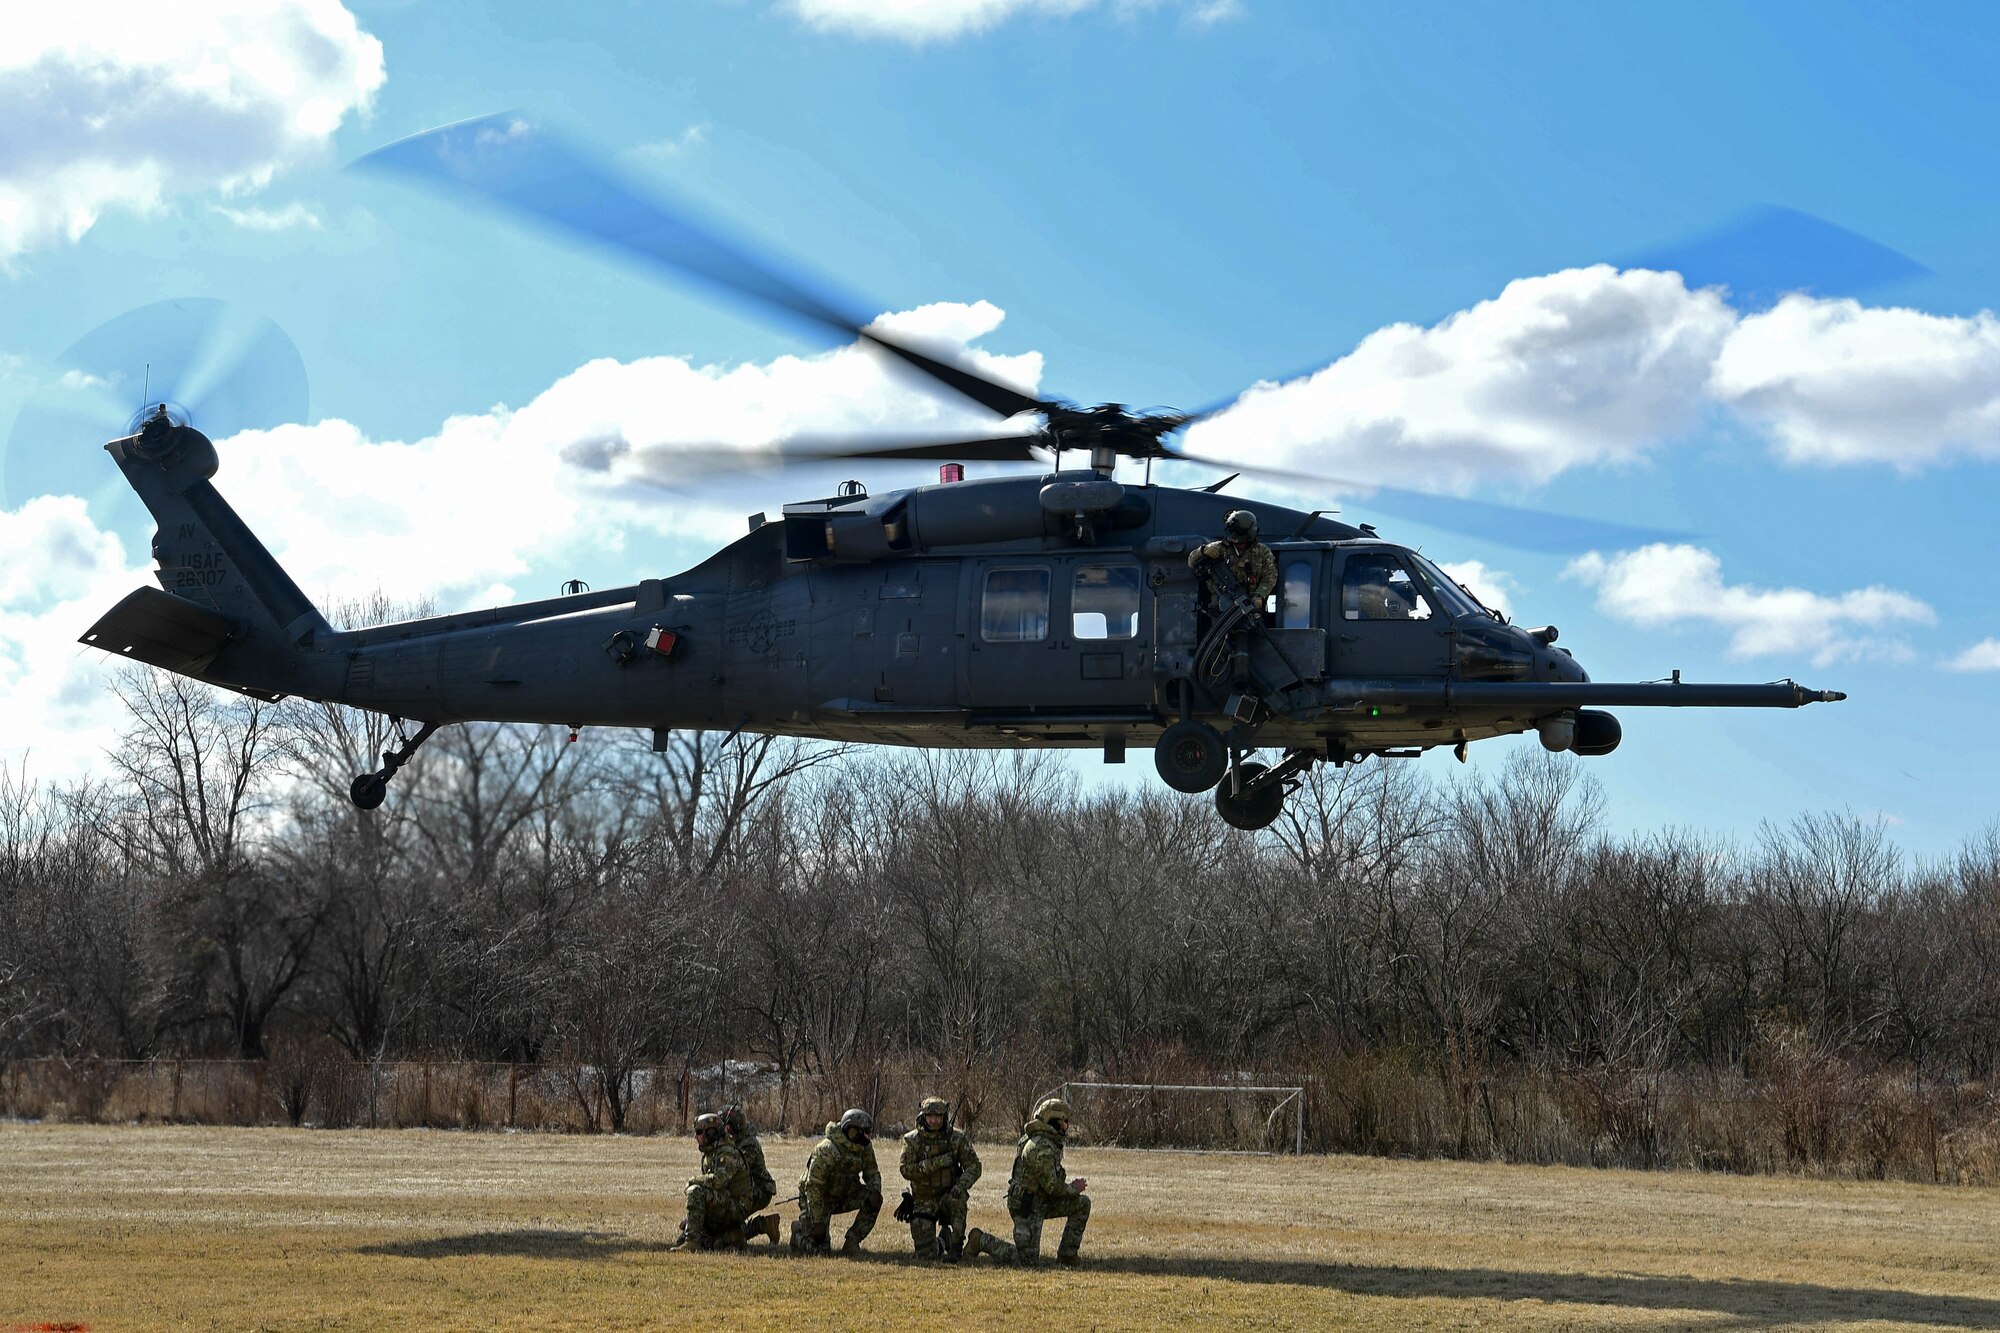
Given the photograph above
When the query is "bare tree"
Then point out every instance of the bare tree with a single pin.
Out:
(197, 765)
(1811, 888)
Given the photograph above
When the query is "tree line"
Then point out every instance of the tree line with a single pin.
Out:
(818, 911)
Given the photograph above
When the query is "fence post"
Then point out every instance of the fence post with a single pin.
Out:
(513, 1090)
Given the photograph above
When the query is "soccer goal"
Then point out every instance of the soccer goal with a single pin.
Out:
(1188, 1117)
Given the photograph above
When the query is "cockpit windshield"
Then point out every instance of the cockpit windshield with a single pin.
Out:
(1457, 601)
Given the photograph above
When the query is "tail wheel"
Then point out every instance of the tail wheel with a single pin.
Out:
(1191, 756)
(368, 790)
(1254, 809)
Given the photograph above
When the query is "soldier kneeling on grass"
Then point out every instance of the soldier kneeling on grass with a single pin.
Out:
(941, 1167)
(718, 1200)
(841, 1177)
(1039, 1190)
(743, 1137)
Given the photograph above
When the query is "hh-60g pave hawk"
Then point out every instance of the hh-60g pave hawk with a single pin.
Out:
(1057, 609)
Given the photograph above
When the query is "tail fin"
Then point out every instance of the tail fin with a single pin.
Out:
(228, 613)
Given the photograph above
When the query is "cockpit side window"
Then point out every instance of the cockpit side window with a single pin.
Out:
(1457, 600)
(1378, 587)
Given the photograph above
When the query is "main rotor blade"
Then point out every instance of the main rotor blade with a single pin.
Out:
(805, 451)
(1514, 526)
(503, 161)
(1769, 251)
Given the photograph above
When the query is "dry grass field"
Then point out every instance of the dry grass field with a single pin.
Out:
(116, 1228)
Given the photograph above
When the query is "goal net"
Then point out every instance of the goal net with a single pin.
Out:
(1188, 1117)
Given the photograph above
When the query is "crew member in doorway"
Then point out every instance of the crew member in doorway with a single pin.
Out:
(1239, 551)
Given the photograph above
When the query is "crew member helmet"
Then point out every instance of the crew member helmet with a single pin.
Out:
(708, 1128)
(934, 1106)
(734, 1120)
(1053, 1109)
(1241, 525)
(857, 1122)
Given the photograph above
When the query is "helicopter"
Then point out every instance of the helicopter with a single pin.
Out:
(1057, 608)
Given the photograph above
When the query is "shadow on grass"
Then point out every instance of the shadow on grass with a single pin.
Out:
(1744, 1303)
(527, 1243)
(1741, 1303)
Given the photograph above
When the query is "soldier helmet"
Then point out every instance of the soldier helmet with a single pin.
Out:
(857, 1122)
(708, 1128)
(1241, 525)
(733, 1119)
(935, 1106)
(1053, 1109)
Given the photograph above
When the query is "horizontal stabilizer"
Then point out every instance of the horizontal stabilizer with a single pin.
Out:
(161, 630)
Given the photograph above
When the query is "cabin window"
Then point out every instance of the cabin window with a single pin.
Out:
(1295, 596)
(1104, 602)
(1015, 608)
(1377, 587)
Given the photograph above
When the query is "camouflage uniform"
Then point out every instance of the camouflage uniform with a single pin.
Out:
(744, 1136)
(762, 1188)
(1253, 565)
(941, 1168)
(718, 1199)
(841, 1177)
(1039, 1189)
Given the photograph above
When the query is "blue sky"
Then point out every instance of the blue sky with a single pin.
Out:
(1169, 201)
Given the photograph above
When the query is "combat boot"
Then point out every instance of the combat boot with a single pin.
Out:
(765, 1226)
(850, 1245)
(979, 1242)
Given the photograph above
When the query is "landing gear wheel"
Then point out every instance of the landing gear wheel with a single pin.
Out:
(1191, 756)
(368, 790)
(1254, 809)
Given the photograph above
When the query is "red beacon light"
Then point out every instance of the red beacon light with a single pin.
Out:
(951, 472)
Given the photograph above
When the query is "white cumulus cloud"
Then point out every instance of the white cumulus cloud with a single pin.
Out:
(1585, 366)
(1981, 656)
(1596, 367)
(596, 465)
(1663, 585)
(292, 215)
(58, 573)
(936, 20)
(1837, 382)
(107, 105)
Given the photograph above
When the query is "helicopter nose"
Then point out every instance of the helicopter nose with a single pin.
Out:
(1560, 666)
